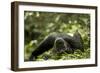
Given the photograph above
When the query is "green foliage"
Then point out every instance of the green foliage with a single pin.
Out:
(40, 24)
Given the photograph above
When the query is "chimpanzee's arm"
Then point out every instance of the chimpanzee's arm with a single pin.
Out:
(45, 45)
(76, 41)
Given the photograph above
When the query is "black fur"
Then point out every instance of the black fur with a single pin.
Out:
(75, 42)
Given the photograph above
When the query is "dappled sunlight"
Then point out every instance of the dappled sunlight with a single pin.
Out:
(39, 25)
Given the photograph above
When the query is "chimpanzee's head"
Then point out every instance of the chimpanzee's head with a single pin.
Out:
(60, 45)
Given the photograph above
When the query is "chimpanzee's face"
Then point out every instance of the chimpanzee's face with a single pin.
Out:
(59, 45)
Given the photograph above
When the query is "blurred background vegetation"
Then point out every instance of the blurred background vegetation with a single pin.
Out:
(38, 25)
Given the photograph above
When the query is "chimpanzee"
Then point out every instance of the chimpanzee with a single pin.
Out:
(59, 42)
